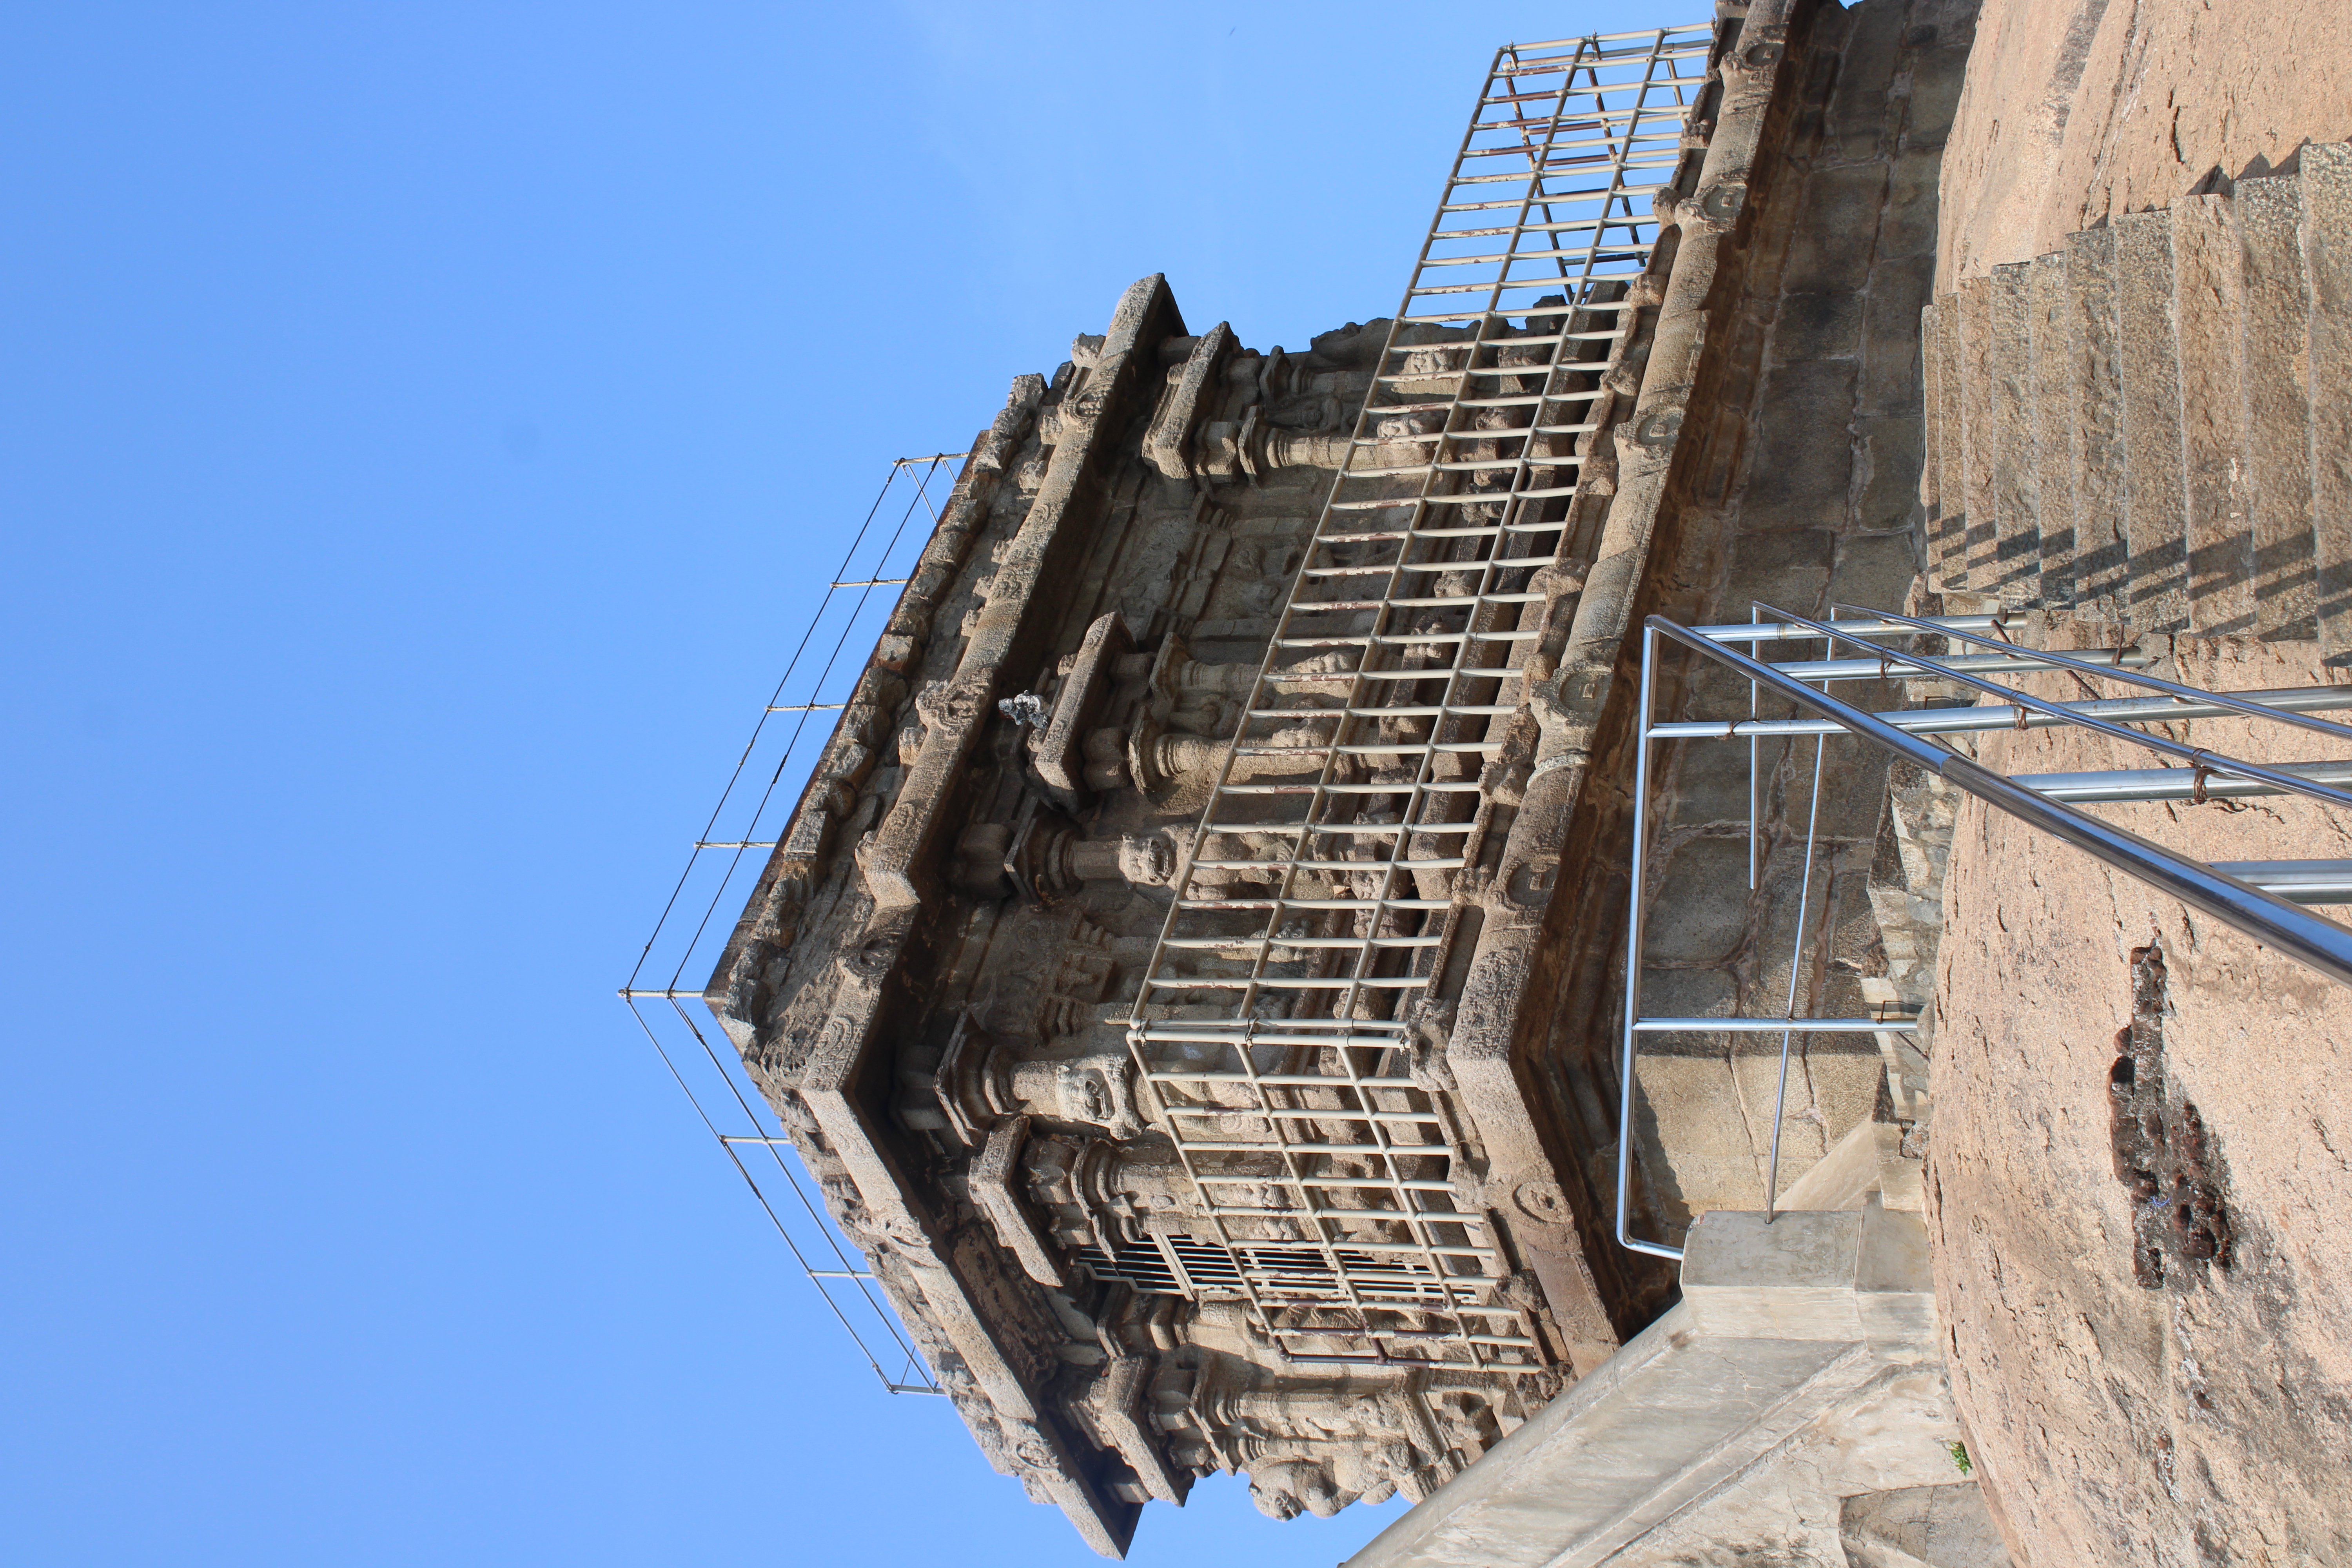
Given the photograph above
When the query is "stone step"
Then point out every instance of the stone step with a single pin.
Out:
(2151, 426)
(1933, 488)
(2326, 226)
(2053, 425)
(2207, 311)
(1951, 447)
(2156, 515)
(2095, 381)
(2016, 470)
(1979, 448)
(2274, 334)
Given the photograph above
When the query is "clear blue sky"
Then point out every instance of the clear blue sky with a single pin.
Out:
(421, 425)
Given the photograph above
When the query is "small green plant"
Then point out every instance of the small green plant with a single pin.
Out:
(1959, 1453)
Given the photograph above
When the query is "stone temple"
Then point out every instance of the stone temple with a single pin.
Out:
(1195, 971)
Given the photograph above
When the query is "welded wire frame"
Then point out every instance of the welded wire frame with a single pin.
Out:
(1274, 1021)
(725, 862)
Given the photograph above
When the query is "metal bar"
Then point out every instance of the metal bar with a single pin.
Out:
(1768, 1026)
(2195, 756)
(2172, 688)
(1382, 1182)
(2316, 942)
(1279, 1080)
(1755, 786)
(2171, 783)
(1289, 983)
(1761, 630)
(1179, 1035)
(1965, 721)
(1411, 710)
(1797, 951)
(1312, 1114)
(2297, 881)
(1918, 666)
(1633, 933)
(1349, 1149)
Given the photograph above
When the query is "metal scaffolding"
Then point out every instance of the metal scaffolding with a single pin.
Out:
(688, 937)
(1275, 1025)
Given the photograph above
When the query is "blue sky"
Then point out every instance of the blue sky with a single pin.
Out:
(422, 427)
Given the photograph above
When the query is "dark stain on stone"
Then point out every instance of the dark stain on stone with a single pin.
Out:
(2162, 1152)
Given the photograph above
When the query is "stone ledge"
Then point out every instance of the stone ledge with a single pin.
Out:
(1793, 1396)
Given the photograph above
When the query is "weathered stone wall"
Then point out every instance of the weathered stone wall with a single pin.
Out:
(2136, 1165)
(1796, 486)
(931, 982)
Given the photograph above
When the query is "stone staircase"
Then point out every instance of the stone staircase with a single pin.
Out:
(2151, 427)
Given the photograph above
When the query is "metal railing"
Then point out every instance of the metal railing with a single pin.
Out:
(828, 657)
(1273, 1024)
(2262, 899)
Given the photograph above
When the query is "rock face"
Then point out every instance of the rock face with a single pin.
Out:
(2077, 111)
(2135, 376)
(2139, 1171)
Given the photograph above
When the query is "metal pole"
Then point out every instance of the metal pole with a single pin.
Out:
(2314, 940)
(1797, 951)
(2152, 682)
(2214, 762)
(1633, 963)
(1964, 721)
(1754, 858)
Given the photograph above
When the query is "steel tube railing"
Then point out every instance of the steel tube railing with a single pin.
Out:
(2172, 783)
(1965, 720)
(2314, 940)
(1634, 922)
(2239, 894)
(2152, 682)
(2297, 881)
(2195, 756)
(1768, 1026)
